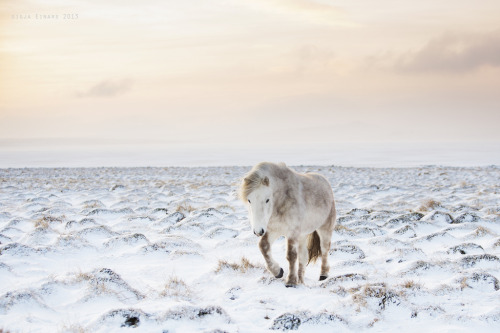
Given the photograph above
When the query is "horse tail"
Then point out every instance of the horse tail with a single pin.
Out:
(313, 246)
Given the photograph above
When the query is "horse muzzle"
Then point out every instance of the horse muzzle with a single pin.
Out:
(259, 232)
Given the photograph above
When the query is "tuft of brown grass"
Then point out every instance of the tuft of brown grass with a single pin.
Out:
(45, 221)
(41, 224)
(102, 289)
(379, 291)
(374, 290)
(429, 204)
(373, 322)
(92, 204)
(160, 184)
(492, 211)
(341, 228)
(197, 186)
(463, 283)
(360, 300)
(82, 277)
(244, 266)
(74, 328)
(225, 206)
(482, 231)
(185, 208)
(176, 288)
(497, 243)
(410, 284)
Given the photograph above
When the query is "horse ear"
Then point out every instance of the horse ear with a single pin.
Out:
(265, 181)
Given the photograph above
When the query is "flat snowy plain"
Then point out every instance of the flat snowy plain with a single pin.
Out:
(170, 250)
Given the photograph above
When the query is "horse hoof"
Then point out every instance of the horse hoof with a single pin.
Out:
(291, 285)
(280, 274)
(322, 277)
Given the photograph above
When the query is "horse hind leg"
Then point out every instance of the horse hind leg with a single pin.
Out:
(265, 244)
(325, 237)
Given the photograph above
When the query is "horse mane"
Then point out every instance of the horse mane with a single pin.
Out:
(258, 176)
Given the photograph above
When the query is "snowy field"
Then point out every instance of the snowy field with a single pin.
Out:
(170, 250)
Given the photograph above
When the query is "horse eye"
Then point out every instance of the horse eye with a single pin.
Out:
(267, 200)
(249, 201)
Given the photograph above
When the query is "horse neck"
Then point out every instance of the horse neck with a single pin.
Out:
(281, 189)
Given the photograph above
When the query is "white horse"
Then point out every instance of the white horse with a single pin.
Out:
(282, 202)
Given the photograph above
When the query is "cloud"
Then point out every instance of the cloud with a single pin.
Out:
(454, 53)
(312, 57)
(306, 5)
(107, 88)
(309, 10)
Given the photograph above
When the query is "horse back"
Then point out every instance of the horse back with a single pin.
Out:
(316, 192)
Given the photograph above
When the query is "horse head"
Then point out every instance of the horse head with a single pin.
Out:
(259, 196)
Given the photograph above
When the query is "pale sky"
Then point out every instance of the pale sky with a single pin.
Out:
(250, 70)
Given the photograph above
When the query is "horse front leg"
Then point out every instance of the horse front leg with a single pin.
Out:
(291, 256)
(265, 244)
(303, 256)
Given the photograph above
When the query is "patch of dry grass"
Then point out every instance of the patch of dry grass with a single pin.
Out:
(44, 222)
(379, 291)
(180, 253)
(101, 288)
(463, 283)
(373, 322)
(225, 206)
(429, 204)
(244, 266)
(185, 208)
(176, 288)
(410, 284)
(409, 287)
(82, 277)
(493, 211)
(73, 328)
(160, 183)
(374, 290)
(482, 231)
(92, 204)
(340, 228)
(360, 300)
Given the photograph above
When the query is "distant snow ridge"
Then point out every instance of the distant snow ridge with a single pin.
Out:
(170, 250)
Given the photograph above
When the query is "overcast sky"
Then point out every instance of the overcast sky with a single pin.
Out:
(250, 71)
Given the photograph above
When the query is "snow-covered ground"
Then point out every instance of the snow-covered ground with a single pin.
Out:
(170, 250)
